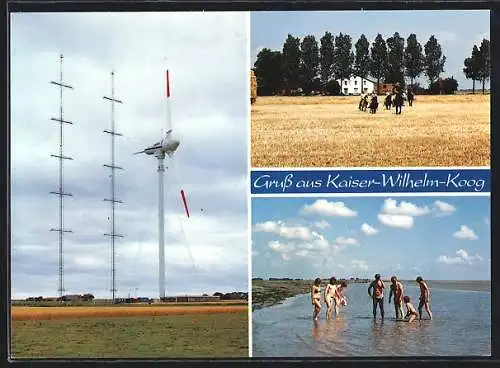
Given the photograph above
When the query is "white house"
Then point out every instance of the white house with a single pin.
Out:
(352, 86)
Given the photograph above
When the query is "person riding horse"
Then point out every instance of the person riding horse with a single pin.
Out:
(388, 101)
(373, 103)
(411, 96)
(363, 102)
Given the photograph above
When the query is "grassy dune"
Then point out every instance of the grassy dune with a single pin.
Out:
(331, 131)
(171, 336)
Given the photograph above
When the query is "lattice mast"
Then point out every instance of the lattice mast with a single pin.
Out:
(113, 200)
(60, 192)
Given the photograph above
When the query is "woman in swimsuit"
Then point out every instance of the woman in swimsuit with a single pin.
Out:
(329, 296)
(411, 313)
(316, 298)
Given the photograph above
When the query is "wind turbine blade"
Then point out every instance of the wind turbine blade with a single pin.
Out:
(136, 153)
(167, 95)
(185, 203)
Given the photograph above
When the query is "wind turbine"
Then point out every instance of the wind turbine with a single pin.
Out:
(166, 147)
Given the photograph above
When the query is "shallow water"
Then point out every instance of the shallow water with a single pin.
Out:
(461, 326)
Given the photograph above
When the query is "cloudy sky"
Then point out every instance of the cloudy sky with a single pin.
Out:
(207, 54)
(444, 238)
(456, 31)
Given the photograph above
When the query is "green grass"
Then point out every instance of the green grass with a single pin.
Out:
(180, 336)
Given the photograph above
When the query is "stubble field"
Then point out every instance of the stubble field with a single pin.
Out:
(130, 331)
(451, 130)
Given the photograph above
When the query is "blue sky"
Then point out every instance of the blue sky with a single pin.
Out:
(444, 238)
(456, 31)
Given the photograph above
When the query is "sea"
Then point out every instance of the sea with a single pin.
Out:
(461, 325)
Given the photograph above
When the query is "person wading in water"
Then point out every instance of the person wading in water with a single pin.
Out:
(378, 295)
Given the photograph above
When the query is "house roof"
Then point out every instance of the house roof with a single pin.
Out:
(364, 78)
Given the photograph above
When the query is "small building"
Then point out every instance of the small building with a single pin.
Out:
(352, 86)
(384, 88)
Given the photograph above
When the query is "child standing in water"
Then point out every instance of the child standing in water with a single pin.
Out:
(316, 298)
(339, 296)
(329, 296)
(411, 313)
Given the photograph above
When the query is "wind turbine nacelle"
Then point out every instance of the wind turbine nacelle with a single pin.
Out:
(167, 146)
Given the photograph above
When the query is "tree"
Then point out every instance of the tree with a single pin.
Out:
(310, 62)
(485, 61)
(472, 67)
(343, 56)
(362, 59)
(378, 65)
(413, 58)
(326, 53)
(445, 86)
(269, 71)
(291, 60)
(433, 60)
(395, 58)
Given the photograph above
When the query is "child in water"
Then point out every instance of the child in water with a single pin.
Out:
(411, 313)
(339, 297)
(316, 298)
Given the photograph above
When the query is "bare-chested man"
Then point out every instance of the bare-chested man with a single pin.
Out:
(378, 295)
(397, 290)
(316, 298)
(424, 298)
(330, 296)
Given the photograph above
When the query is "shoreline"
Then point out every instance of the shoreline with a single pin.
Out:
(268, 293)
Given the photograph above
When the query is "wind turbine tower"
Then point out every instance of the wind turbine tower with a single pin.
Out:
(166, 147)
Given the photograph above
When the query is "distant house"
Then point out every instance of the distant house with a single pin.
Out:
(352, 86)
(384, 88)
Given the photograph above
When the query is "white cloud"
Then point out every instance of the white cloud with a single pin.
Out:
(479, 38)
(278, 247)
(442, 208)
(391, 207)
(368, 230)
(209, 89)
(323, 224)
(462, 257)
(400, 221)
(326, 208)
(465, 233)
(281, 229)
(346, 241)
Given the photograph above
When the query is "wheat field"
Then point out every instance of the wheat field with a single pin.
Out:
(451, 130)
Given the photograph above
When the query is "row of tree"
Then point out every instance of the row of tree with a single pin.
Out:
(309, 65)
(478, 65)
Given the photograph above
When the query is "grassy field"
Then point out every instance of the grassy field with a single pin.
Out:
(172, 336)
(331, 132)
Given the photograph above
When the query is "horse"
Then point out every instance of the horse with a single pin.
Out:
(373, 104)
(388, 101)
(398, 102)
(363, 102)
(411, 97)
